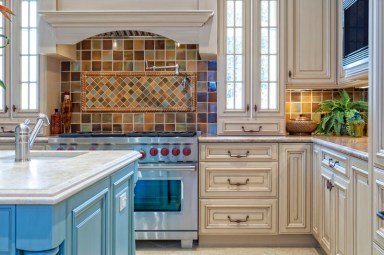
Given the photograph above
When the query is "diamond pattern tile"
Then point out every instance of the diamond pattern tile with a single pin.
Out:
(137, 92)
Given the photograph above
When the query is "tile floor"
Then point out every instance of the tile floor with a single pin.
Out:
(173, 248)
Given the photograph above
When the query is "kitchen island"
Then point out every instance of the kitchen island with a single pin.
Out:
(75, 202)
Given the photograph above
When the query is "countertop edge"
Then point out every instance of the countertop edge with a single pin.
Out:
(51, 197)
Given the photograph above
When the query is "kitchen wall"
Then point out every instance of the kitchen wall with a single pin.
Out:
(128, 54)
(306, 102)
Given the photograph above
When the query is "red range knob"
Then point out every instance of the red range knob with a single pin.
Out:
(187, 151)
(153, 152)
(60, 149)
(142, 154)
(71, 149)
(175, 151)
(92, 149)
(164, 151)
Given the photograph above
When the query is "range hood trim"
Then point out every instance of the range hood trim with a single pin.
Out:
(75, 19)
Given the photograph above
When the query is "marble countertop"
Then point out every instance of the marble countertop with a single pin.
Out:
(352, 146)
(50, 179)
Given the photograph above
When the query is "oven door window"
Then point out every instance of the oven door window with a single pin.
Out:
(158, 196)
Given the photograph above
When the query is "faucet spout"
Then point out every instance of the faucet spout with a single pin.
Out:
(41, 121)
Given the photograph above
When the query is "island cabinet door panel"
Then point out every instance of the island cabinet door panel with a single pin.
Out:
(7, 230)
(122, 213)
(294, 188)
(88, 229)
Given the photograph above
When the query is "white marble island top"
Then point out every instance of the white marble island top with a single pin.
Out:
(51, 177)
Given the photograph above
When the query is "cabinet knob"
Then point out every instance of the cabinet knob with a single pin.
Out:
(255, 107)
(247, 107)
(14, 108)
(290, 74)
(6, 108)
(330, 185)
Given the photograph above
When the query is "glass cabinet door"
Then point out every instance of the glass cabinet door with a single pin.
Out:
(249, 58)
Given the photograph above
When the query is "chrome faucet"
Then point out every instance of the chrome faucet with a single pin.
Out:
(24, 139)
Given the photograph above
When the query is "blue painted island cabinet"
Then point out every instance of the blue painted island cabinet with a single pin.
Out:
(96, 221)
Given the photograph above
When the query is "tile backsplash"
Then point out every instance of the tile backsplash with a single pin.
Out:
(306, 102)
(127, 54)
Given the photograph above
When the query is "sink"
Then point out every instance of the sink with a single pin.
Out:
(46, 155)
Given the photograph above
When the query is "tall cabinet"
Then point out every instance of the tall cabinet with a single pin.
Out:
(376, 104)
(250, 66)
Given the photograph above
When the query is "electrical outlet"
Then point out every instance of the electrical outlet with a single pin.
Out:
(123, 201)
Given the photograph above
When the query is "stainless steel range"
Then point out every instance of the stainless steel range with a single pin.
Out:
(166, 191)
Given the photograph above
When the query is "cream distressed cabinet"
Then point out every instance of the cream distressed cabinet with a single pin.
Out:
(250, 67)
(341, 210)
(311, 43)
(295, 188)
(376, 137)
(238, 189)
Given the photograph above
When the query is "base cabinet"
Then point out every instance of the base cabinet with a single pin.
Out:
(294, 188)
(97, 220)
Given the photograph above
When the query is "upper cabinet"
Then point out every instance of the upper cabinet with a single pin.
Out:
(311, 43)
(250, 67)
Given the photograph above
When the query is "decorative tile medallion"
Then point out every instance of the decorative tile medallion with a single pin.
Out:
(137, 92)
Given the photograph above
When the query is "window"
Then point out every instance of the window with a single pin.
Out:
(234, 55)
(19, 61)
(28, 56)
(268, 54)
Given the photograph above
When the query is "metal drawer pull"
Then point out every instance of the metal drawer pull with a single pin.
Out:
(332, 164)
(238, 156)
(238, 183)
(251, 130)
(380, 214)
(330, 185)
(238, 221)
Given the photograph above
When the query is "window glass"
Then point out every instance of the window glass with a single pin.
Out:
(28, 56)
(234, 54)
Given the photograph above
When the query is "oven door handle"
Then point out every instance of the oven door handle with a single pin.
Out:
(173, 168)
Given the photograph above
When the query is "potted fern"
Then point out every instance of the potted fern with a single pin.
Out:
(337, 112)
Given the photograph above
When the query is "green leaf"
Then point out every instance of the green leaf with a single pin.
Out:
(2, 84)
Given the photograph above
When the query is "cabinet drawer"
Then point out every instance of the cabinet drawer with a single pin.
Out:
(338, 162)
(238, 179)
(238, 216)
(245, 127)
(238, 152)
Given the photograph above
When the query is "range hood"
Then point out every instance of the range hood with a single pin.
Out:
(190, 24)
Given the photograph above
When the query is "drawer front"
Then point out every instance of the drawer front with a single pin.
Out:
(264, 127)
(338, 162)
(238, 152)
(238, 216)
(238, 179)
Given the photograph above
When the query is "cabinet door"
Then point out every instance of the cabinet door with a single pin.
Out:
(378, 205)
(311, 46)
(316, 177)
(88, 223)
(294, 188)
(325, 211)
(376, 78)
(361, 207)
(7, 230)
(342, 222)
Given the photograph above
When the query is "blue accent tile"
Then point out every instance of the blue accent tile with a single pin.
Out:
(212, 118)
(212, 65)
(202, 97)
(212, 86)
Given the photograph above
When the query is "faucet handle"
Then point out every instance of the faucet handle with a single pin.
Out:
(27, 122)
